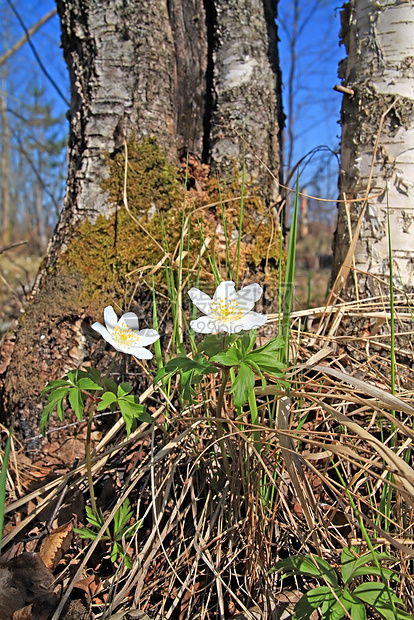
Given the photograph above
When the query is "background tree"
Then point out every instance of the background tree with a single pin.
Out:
(32, 142)
(378, 73)
(197, 76)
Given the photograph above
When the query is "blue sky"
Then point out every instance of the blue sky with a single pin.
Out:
(316, 106)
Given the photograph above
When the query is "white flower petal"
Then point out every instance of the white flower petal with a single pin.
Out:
(147, 336)
(201, 300)
(225, 290)
(110, 318)
(231, 327)
(205, 325)
(140, 353)
(252, 320)
(247, 296)
(130, 319)
(103, 331)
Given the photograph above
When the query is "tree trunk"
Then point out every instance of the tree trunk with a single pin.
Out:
(196, 75)
(379, 69)
(5, 167)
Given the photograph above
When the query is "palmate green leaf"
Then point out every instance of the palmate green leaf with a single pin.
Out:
(121, 518)
(55, 399)
(52, 385)
(116, 549)
(85, 532)
(231, 357)
(107, 400)
(131, 411)
(267, 362)
(304, 565)
(93, 373)
(94, 518)
(275, 344)
(124, 389)
(214, 343)
(110, 385)
(86, 383)
(243, 383)
(76, 401)
(247, 341)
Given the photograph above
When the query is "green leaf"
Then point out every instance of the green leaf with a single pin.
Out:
(243, 383)
(267, 362)
(111, 386)
(3, 479)
(55, 400)
(87, 384)
(132, 410)
(384, 573)
(231, 357)
(378, 596)
(127, 559)
(124, 389)
(331, 608)
(358, 611)
(122, 516)
(310, 602)
(214, 343)
(247, 340)
(350, 563)
(72, 376)
(94, 518)
(85, 532)
(304, 565)
(76, 402)
(93, 373)
(53, 385)
(107, 399)
(275, 344)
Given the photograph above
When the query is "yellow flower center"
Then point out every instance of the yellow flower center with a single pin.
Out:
(125, 336)
(225, 310)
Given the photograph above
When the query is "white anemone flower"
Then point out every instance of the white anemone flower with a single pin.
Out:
(228, 311)
(124, 335)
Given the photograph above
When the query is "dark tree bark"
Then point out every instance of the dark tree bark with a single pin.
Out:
(197, 75)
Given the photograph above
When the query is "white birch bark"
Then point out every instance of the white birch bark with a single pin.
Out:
(379, 38)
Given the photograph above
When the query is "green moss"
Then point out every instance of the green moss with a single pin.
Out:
(112, 255)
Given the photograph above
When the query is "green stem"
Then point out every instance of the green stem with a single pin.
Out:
(88, 455)
(220, 409)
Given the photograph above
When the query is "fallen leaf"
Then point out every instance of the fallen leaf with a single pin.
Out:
(24, 614)
(90, 585)
(56, 544)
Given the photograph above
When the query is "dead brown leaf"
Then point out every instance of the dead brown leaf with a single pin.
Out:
(56, 544)
(90, 585)
(24, 614)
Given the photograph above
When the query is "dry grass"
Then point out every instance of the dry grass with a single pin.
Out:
(208, 541)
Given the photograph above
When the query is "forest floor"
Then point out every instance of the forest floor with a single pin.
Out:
(324, 470)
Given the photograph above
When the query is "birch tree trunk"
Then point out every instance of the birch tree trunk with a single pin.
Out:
(196, 75)
(379, 69)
